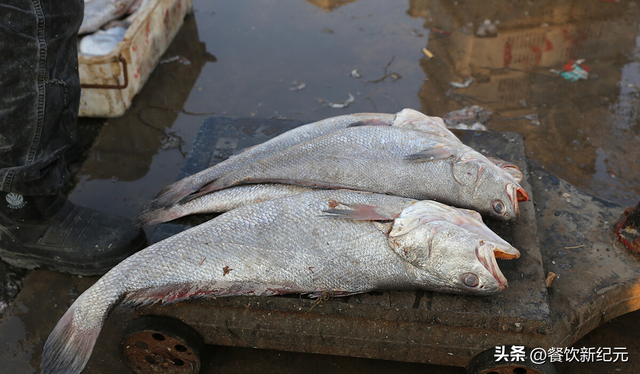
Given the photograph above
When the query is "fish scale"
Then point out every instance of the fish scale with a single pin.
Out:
(194, 194)
(283, 246)
(373, 158)
(184, 188)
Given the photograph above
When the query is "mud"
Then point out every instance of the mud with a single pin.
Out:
(244, 57)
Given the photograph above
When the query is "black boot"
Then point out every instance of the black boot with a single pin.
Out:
(51, 232)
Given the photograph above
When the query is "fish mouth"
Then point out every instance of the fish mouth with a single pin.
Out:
(487, 255)
(516, 194)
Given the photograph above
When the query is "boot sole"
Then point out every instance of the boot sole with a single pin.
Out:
(32, 262)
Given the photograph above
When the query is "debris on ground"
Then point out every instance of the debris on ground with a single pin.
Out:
(177, 59)
(355, 73)
(10, 284)
(394, 76)
(464, 84)
(427, 53)
(472, 117)
(342, 104)
(534, 119)
(416, 32)
(551, 276)
(487, 29)
(627, 228)
(441, 32)
(574, 70)
(297, 85)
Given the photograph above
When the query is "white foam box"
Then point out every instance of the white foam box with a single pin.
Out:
(110, 82)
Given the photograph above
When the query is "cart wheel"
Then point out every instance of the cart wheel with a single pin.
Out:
(485, 363)
(161, 345)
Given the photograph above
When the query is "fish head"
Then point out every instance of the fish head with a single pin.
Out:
(449, 258)
(487, 188)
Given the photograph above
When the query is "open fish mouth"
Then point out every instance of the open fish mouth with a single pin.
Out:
(487, 255)
(516, 194)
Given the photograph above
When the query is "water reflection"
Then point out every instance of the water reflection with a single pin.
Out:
(329, 5)
(155, 130)
(127, 144)
(511, 69)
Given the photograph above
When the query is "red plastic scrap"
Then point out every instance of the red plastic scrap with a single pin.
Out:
(627, 228)
(569, 66)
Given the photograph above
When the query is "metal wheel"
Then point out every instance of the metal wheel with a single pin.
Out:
(161, 345)
(485, 363)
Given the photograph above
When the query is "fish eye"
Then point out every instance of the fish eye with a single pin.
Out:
(498, 206)
(470, 279)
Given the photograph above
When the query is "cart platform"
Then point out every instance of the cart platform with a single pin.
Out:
(561, 230)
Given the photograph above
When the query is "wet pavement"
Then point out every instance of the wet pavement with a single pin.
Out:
(249, 59)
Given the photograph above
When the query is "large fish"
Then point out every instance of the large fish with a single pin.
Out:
(174, 201)
(341, 242)
(190, 187)
(392, 160)
(235, 197)
(221, 201)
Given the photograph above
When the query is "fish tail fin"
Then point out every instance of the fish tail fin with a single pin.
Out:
(158, 210)
(207, 188)
(69, 346)
(150, 216)
(172, 193)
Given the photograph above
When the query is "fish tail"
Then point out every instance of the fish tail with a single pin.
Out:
(69, 346)
(173, 193)
(208, 188)
(150, 216)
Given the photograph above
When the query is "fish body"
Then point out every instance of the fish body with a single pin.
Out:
(99, 12)
(323, 241)
(195, 194)
(221, 201)
(192, 186)
(391, 160)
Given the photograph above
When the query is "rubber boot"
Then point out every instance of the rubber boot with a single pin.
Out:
(51, 232)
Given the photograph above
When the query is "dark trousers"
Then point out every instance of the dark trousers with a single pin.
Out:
(39, 92)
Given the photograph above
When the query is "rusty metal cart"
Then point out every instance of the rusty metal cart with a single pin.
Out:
(562, 230)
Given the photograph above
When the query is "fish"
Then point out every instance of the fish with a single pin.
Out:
(175, 195)
(98, 12)
(220, 201)
(234, 197)
(341, 242)
(191, 186)
(204, 201)
(511, 168)
(391, 160)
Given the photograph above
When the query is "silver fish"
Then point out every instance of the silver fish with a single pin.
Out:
(221, 201)
(389, 160)
(99, 12)
(178, 193)
(290, 246)
(190, 187)
(233, 197)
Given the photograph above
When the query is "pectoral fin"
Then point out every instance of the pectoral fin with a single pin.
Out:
(358, 212)
(438, 152)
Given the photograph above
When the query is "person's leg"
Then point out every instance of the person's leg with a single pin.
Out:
(39, 99)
